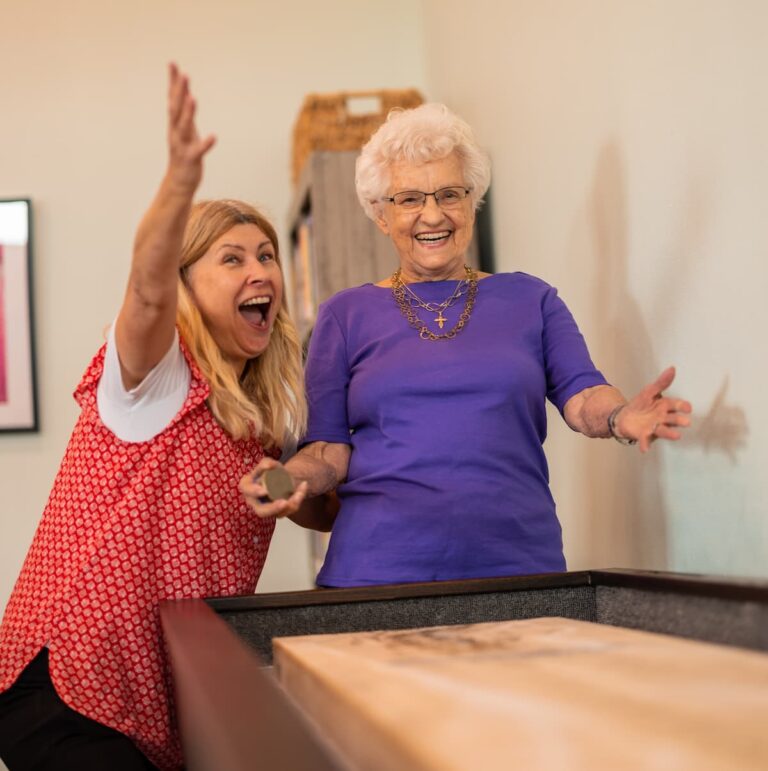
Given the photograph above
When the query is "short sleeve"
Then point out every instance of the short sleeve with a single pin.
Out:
(143, 412)
(327, 381)
(569, 367)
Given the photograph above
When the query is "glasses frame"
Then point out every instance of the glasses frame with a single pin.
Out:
(434, 194)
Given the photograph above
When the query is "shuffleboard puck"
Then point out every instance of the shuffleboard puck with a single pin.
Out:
(278, 483)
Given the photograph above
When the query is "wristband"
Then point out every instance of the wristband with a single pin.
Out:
(612, 427)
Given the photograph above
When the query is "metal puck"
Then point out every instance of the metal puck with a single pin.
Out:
(278, 483)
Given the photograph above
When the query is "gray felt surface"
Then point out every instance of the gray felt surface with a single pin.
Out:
(258, 627)
(709, 619)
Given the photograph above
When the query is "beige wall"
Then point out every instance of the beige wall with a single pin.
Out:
(630, 163)
(630, 152)
(82, 133)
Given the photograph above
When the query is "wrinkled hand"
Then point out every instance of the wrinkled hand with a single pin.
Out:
(255, 493)
(185, 147)
(650, 415)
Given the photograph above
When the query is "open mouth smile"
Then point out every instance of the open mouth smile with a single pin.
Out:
(433, 239)
(256, 310)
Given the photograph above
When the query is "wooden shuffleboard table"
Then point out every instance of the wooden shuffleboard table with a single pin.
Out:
(581, 670)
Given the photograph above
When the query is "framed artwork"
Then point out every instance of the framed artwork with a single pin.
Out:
(18, 387)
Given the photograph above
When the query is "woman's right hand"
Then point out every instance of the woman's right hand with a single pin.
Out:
(185, 147)
(146, 323)
(256, 493)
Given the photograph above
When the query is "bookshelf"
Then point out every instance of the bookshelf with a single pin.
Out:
(333, 244)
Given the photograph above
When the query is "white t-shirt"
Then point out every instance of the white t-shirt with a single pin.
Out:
(143, 412)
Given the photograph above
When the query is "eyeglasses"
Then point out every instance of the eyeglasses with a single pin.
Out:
(445, 198)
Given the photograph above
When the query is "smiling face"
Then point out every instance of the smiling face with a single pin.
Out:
(238, 288)
(432, 243)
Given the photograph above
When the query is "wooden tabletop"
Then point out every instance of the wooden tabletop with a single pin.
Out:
(547, 693)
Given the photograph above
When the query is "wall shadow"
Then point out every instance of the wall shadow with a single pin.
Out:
(627, 509)
(625, 504)
(722, 429)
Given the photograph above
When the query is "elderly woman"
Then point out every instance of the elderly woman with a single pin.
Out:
(427, 390)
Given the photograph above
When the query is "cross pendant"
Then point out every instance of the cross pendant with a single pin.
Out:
(441, 319)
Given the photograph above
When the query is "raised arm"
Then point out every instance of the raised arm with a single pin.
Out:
(145, 324)
(602, 411)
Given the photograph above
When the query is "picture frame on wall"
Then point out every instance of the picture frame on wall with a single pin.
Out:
(18, 381)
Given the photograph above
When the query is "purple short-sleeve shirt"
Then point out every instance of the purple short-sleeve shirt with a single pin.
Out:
(447, 476)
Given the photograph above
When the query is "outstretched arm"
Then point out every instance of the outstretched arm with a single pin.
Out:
(145, 325)
(648, 416)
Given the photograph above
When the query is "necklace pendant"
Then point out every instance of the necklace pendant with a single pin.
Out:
(407, 300)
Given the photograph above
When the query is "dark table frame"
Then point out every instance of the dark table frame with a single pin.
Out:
(234, 716)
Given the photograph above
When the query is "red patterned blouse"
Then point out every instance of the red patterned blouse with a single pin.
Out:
(128, 525)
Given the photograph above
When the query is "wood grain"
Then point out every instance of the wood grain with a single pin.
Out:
(546, 693)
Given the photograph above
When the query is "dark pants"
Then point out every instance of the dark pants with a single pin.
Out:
(39, 731)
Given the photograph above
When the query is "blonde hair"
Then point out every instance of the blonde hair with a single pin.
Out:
(268, 399)
(429, 132)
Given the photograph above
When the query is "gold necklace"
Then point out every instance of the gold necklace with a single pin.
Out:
(400, 291)
(414, 299)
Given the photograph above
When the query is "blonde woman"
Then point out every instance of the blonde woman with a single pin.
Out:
(200, 378)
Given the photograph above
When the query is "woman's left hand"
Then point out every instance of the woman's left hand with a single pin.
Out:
(651, 415)
(256, 494)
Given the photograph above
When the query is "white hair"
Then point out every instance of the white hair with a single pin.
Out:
(426, 133)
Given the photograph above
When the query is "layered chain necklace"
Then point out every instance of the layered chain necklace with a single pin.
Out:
(407, 300)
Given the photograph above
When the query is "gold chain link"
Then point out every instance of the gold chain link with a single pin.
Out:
(425, 333)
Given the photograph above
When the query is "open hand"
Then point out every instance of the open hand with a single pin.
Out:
(185, 147)
(651, 415)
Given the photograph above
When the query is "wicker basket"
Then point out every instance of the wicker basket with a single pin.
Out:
(325, 121)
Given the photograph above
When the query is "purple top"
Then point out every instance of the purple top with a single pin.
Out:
(447, 476)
